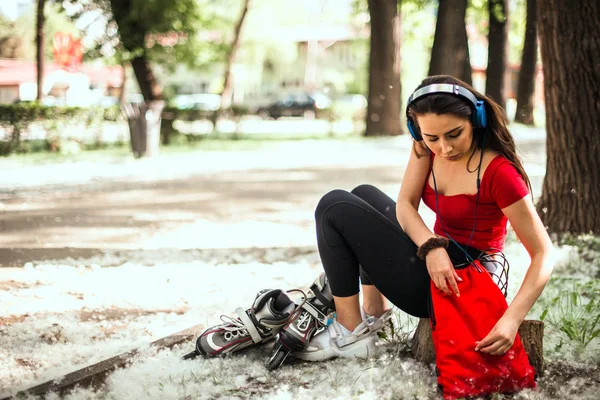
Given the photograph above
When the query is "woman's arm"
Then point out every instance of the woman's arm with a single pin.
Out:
(409, 197)
(530, 230)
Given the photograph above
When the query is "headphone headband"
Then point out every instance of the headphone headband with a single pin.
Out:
(478, 117)
(443, 88)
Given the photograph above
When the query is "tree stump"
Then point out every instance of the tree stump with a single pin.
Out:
(422, 343)
(532, 336)
(531, 331)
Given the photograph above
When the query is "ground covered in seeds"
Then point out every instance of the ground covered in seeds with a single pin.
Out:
(107, 256)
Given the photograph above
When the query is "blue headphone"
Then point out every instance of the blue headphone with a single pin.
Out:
(478, 117)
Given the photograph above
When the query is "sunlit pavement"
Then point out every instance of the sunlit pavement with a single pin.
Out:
(200, 200)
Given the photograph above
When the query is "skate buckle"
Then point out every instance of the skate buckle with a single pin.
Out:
(315, 312)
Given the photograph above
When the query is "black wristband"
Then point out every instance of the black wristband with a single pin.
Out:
(430, 244)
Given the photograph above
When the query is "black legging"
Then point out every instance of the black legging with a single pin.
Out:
(358, 234)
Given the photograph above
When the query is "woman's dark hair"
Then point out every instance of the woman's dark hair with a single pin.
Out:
(498, 136)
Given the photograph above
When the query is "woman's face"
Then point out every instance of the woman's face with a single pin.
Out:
(446, 135)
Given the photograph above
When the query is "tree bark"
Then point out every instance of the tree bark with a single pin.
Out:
(422, 343)
(570, 47)
(123, 92)
(383, 109)
(497, 50)
(532, 337)
(39, 44)
(531, 332)
(226, 94)
(450, 52)
(149, 86)
(134, 42)
(526, 85)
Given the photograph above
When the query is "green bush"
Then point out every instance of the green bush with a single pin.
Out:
(174, 113)
(16, 118)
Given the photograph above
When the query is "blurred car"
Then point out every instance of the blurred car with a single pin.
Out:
(201, 101)
(305, 105)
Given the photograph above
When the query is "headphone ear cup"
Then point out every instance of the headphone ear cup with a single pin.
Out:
(412, 129)
(480, 115)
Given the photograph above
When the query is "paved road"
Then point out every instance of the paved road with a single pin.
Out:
(260, 198)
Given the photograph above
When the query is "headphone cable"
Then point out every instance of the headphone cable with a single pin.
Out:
(437, 206)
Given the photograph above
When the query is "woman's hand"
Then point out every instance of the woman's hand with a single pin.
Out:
(442, 271)
(500, 339)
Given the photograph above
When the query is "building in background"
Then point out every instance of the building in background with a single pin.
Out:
(86, 86)
(332, 59)
(13, 9)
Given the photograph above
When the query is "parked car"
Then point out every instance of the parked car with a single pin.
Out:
(305, 105)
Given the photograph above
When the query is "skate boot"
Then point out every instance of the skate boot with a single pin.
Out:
(271, 310)
(313, 314)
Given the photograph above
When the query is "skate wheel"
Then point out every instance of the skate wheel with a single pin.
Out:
(277, 358)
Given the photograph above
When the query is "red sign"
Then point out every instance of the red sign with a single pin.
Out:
(68, 51)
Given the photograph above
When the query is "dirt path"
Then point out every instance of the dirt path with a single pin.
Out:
(235, 208)
(196, 200)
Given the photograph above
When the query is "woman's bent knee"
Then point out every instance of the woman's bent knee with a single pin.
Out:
(364, 189)
(370, 194)
(330, 199)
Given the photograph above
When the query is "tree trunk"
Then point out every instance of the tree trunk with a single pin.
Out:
(39, 44)
(149, 86)
(383, 109)
(144, 119)
(135, 43)
(526, 88)
(123, 92)
(497, 49)
(450, 52)
(570, 47)
(227, 93)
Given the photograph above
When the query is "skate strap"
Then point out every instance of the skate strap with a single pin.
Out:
(336, 334)
(312, 310)
(324, 300)
(377, 324)
(248, 324)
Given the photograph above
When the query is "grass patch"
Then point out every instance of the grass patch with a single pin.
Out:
(575, 312)
(570, 303)
(117, 151)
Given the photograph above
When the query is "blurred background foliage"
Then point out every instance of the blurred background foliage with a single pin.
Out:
(184, 48)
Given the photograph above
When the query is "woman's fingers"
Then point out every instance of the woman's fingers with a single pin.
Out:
(458, 278)
(454, 285)
(447, 283)
(443, 286)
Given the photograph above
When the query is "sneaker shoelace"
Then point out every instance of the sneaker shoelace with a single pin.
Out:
(234, 328)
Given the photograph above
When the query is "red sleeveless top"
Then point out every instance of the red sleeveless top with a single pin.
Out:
(501, 185)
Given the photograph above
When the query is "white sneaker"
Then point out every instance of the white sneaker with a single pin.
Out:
(337, 341)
